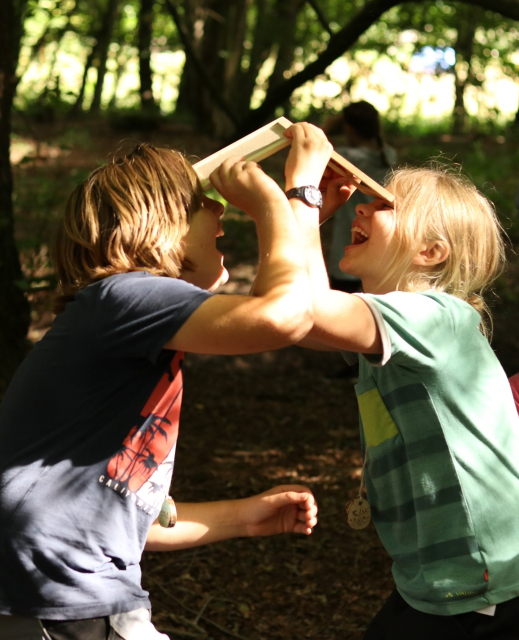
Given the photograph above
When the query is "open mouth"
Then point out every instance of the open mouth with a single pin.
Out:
(358, 235)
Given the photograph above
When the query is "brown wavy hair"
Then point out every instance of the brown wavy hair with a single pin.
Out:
(128, 215)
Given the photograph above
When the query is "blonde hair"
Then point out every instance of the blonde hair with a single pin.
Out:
(129, 215)
(439, 203)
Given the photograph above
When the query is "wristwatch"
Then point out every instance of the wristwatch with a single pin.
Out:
(309, 195)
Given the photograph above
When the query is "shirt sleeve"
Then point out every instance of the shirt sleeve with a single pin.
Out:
(136, 314)
(415, 326)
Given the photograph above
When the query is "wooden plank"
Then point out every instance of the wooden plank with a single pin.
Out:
(367, 185)
(257, 146)
(269, 139)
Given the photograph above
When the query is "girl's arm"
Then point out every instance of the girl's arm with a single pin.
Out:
(283, 509)
(341, 320)
(278, 315)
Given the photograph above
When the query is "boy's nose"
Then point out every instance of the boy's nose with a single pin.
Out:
(214, 205)
(219, 209)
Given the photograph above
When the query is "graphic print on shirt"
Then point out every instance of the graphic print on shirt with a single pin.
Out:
(142, 468)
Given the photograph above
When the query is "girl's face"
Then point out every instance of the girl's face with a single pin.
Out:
(200, 247)
(373, 245)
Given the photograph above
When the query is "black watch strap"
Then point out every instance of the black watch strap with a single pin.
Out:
(309, 195)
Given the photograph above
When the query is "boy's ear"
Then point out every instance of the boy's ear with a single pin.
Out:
(431, 253)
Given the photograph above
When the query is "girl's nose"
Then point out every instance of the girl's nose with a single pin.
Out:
(363, 209)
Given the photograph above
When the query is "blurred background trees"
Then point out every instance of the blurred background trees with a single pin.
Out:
(221, 64)
(224, 67)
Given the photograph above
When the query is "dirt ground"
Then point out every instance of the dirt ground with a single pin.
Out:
(249, 423)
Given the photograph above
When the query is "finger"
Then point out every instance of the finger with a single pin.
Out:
(302, 499)
(282, 488)
(306, 527)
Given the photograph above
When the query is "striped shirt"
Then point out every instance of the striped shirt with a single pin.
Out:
(441, 435)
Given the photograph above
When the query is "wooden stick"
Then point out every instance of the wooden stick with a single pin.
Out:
(367, 185)
(269, 139)
(257, 146)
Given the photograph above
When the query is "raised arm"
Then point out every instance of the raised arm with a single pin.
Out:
(283, 509)
(278, 315)
(341, 320)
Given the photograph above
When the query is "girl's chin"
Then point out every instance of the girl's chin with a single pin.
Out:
(343, 265)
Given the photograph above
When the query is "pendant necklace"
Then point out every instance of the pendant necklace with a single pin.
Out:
(358, 510)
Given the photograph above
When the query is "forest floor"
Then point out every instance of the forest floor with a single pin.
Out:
(249, 423)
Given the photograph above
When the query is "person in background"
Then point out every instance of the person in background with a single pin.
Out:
(366, 149)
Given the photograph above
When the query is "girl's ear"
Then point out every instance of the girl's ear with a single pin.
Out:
(431, 253)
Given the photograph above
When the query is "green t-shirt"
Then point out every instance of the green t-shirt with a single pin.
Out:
(441, 434)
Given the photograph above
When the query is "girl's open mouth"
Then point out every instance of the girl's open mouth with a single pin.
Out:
(358, 235)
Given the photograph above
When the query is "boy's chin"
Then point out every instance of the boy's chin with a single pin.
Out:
(224, 277)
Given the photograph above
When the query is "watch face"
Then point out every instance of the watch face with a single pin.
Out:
(313, 196)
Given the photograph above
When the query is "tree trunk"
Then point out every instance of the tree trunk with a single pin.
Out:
(201, 88)
(14, 307)
(78, 104)
(144, 43)
(467, 26)
(103, 43)
(284, 32)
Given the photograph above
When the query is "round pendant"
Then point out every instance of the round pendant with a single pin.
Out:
(359, 513)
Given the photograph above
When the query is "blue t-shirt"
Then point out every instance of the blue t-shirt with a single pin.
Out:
(88, 430)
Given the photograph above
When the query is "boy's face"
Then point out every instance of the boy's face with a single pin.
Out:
(200, 247)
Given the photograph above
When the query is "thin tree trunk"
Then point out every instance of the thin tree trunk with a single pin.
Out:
(78, 104)
(145, 32)
(469, 19)
(14, 307)
(286, 16)
(103, 43)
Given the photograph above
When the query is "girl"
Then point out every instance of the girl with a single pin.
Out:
(439, 430)
(89, 424)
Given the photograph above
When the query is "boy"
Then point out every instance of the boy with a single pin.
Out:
(89, 424)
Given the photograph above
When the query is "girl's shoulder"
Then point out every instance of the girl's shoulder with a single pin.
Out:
(426, 307)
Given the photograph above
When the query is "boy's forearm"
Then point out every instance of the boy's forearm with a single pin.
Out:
(308, 222)
(281, 255)
(198, 524)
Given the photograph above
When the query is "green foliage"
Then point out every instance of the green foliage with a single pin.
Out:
(49, 107)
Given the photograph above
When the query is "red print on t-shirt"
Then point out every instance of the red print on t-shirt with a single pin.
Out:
(149, 444)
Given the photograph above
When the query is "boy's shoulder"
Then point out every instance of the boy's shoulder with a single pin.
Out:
(134, 281)
(135, 292)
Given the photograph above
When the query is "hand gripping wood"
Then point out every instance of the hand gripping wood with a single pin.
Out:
(269, 139)
(257, 146)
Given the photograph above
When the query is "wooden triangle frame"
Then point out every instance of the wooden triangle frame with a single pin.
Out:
(268, 140)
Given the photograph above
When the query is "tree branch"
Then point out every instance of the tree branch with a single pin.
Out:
(339, 43)
(320, 16)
